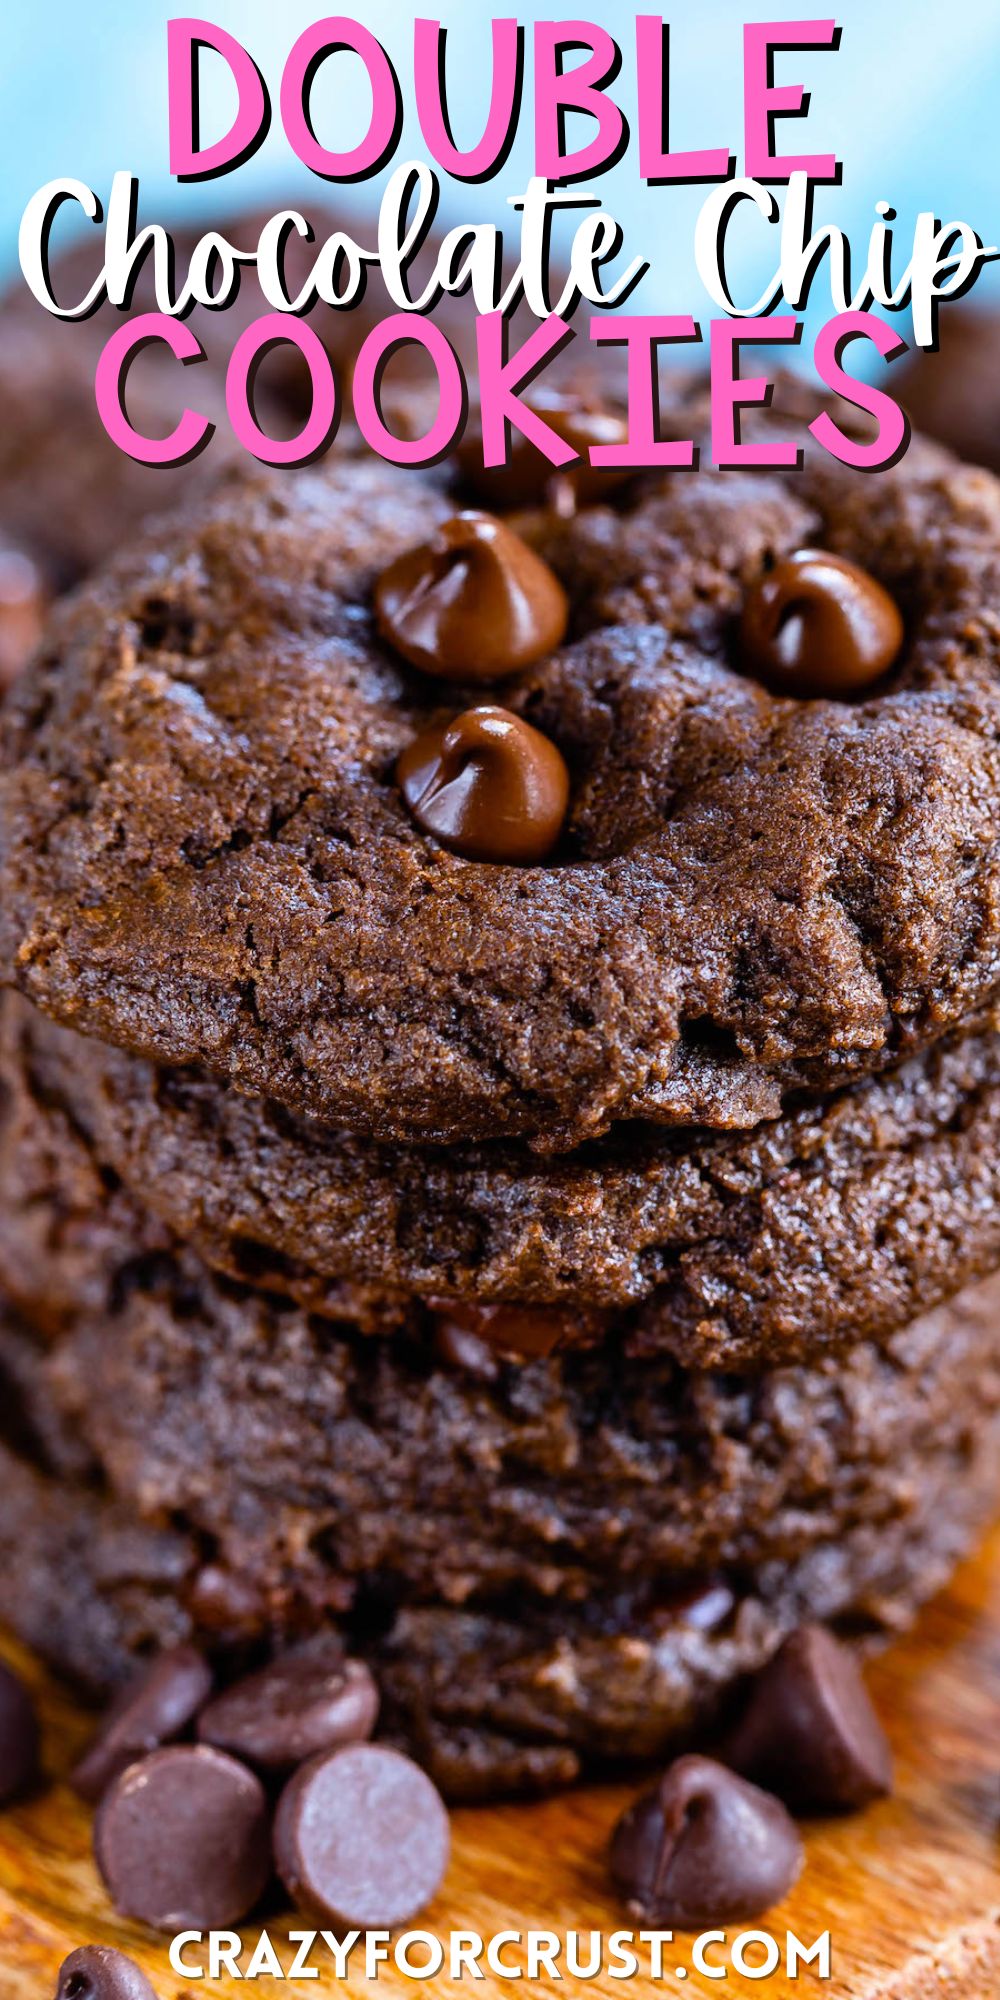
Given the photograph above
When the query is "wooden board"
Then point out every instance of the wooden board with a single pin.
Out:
(910, 1891)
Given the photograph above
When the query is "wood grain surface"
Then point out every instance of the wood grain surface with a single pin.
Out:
(909, 1891)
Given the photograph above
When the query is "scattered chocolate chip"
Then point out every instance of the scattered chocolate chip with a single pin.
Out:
(816, 624)
(809, 1731)
(487, 785)
(473, 604)
(181, 1839)
(529, 477)
(19, 1737)
(96, 1972)
(704, 1847)
(361, 1837)
(22, 612)
(518, 1332)
(155, 1707)
(292, 1709)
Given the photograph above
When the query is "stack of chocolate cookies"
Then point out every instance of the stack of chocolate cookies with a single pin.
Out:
(500, 1086)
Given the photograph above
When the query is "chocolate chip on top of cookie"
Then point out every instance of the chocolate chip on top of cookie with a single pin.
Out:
(473, 604)
(817, 624)
(487, 785)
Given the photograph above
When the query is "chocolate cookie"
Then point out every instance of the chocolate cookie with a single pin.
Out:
(204, 852)
(838, 1222)
(570, 1563)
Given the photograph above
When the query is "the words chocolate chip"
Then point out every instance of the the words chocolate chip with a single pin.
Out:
(703, 1847)
(181, 1839)
(361, 1837)
(816, 625)
(520, 1331)
(96, 1972)
(153, 1708)
(19, 1737)
(304, 1703)
(487, 785)
(809, 1731)
(473, 604)
(529, 477)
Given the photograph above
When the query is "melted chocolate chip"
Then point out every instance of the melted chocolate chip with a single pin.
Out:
(703, 1847)
(96, 1972)
(290, 1710)
(361, 1837)
(19, 1737)
(474, 604)
(517, 1332)
(154, 1708)
(817, 625)
(487, 785)
(809, 1731)
(529, 477)
(181, 1840)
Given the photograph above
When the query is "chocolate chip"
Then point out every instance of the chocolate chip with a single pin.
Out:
(361, 1837)
(809, 1731)
(473, 604)
(96, 1972)
(19, 1737)
(487, 785)
(529, 477)
(181, 1839)
(154, 1708)
(518, 1332)
(703, 1847)
(816, 624)
(290, 1710)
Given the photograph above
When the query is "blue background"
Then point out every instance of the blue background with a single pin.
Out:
(910, 104)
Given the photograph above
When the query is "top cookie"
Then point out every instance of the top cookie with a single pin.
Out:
(206, 854)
